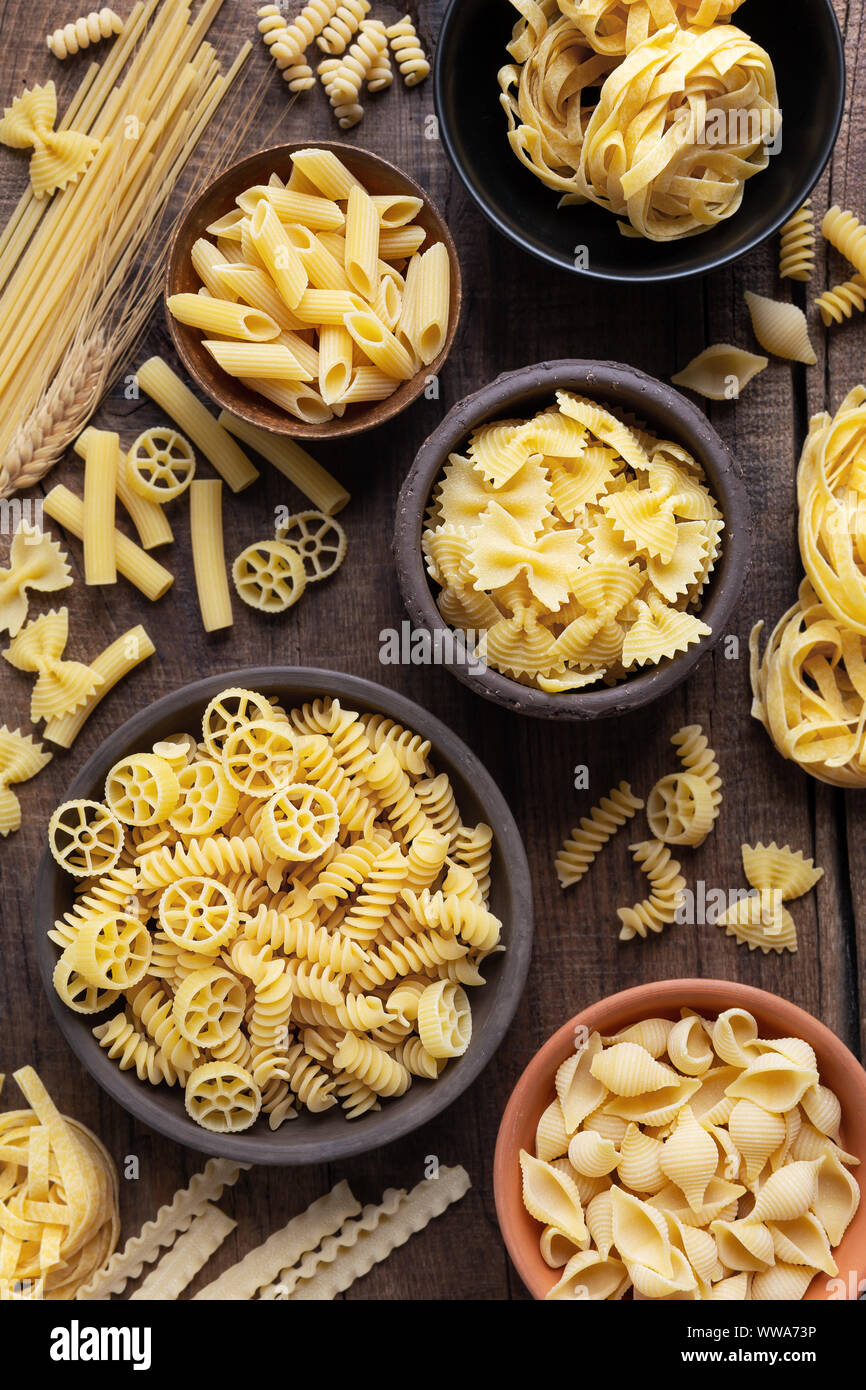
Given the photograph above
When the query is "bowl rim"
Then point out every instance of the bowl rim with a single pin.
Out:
(602, 381)
(143, 1102)
(280, 423)
(646, 1000)
(638, 276)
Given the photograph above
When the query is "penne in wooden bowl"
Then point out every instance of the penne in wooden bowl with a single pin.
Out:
(313, 290)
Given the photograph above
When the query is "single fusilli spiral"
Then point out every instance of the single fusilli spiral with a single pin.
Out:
(349, 740)
(426, 859)
(235, 1049)
(797, 252)
(380, 75)
(355, 66)
(436, 796)
(355, 1098)
(343, 27)
(473, 849)
(130, 1048)
(410, 749)
(320, 767)
(847, 235)
(378, 893)
(69, 39)
(276, 34)
(417, 1060)
(311, 1084)
(272, 1000)
(373, 1066)
(696, 756)
(346, 872)
(152, 1007)
(406, 957)
(408, 52)
(842, 301)
(455, 915)
(348, 111)
(311, 980)
(249, 890)
(300, 937)
(592, 833)
(278, 1103)
(659, 909)
(359, 1012)
(221, 855)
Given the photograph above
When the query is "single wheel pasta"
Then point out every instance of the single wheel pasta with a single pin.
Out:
(209, 1006)
(85, 837)
(111, 951)
(260, 758)
(444, 1020)
(160, 465)
(207, 799)
(227, 712)
(222, 1097)
(681, 810)
(318, 539)
(199, 914)
(299, 822)
(270, 576)
(142, 790)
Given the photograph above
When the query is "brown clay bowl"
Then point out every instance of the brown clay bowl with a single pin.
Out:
(517, 395)
(218, 198)
(776, 1017)
(330, 1136)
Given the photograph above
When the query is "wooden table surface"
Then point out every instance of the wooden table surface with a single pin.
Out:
(516, 311)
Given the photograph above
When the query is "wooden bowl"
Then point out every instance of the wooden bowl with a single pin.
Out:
(378, 176)
(519, 394)
(839, 1069)
(330, 1136)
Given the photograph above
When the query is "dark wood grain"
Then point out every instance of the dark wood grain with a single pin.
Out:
(515, 312)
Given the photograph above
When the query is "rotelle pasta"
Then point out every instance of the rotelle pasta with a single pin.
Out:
(333, 262)
(571, 548)
(659, 113)
(291, 908)
(690, 1158)
(808, 686)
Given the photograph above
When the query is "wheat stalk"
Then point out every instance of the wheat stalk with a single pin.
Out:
(60, 415)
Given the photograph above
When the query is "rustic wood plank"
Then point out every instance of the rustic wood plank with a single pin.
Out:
(516, 312)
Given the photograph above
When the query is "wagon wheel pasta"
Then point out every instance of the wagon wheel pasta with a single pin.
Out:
(303, 926)
(675, 121)
(717, 1184)
(571, 549)
(160, 465)
(85, 838)
(320, 541)
(270, 576)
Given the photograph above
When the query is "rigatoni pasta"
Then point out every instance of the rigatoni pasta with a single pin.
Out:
(100, 489)
(319, 255)
(208, 554)
(157, 380)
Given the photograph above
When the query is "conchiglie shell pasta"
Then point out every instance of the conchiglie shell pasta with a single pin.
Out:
(837, 1199)
(719, 1196)
(599, 1222)
(733, 1033)
(803, 1242)
(781, 329)
(732, 1290)
(744, 1245)
(640, 1162)
(551, 1136)
(588, 1275)
(689, 1047)
(640, 1233)
(650, 1034)
(578, 1090)
(627, 1069)
(608, 1126)
(654, 1107)
(689, 1158)
(552, 1198)
(721, 372)
(789, 1193)
(757, 1134)
(556, 1247)
(651, 1284)
(774, 1082)
(782, 1284)
(711, 1104)
(592, 1156)
(699, 1248)
(823, 1108)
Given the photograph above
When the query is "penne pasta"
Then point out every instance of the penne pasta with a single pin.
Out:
(324, 270)
(362, 242)
(396, 209)
(335, 362)
(228, 226)
(432, 306)
(302, 401)
(100, 490)
(325, 172)
(400, 242)
(278, 254)
(206, 259)
(232, 320)
(379, 344)
(270, 361)
(388, 302)
(132, 562)
(327, 306)
(165, 387)
(304, 209)
(255, 287)
(369, 384)
(208, 554)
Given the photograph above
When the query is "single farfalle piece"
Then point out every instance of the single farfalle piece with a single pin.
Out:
(59, 157)
(21, 758)
(782, 870)
(35, 562)
(760, 924)
(643, 519)
(499, 450)
(269, 576)
(61, 686)
(660, 632)
(318, 539)
(520, 646)
(85, 838)
(502, 552)
(463, 496)
(674, 579)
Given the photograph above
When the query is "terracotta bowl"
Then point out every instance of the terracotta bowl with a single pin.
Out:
(517, 395)
(776, 1017)
(330, 1136)
(378, 176)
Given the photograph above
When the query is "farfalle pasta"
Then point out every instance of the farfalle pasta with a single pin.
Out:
(287, 904)
(61, 686)
(572, 548)
(659, 112)
(701, 1161)
(59, 157)
(35, 562)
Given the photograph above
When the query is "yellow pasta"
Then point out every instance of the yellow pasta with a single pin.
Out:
(89, 29)
(379, 345)
(133, 563)
(720, 372)
(146, 515)
(21, 758)
(293, 462)
(408, 52)
(59, 157)
(157, 379)
(797, 251)
(221, 316)
(781, 328)
(341, 28)
(843, 301)
(283, 263)
(35, 562)
(362, 242)
(588, 838)
(263, 984)
(61, 686)
(847, 235)
(263, 361)
(432, 305)
(100, 488)
(118, 659)
(206, 530)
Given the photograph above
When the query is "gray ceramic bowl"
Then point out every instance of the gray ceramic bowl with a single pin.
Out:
(519, 394)
(330, 1136)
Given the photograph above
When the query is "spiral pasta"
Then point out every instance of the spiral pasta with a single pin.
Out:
(797, 251)
(843, 301)
(341, 29)
(284, 897)
(847, 235)
(403, 38)
(69, 39)
(660, 908)
(589, 837)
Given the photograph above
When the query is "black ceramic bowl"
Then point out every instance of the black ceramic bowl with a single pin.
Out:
(329, 1136)
(803, 40)
(518, 395)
